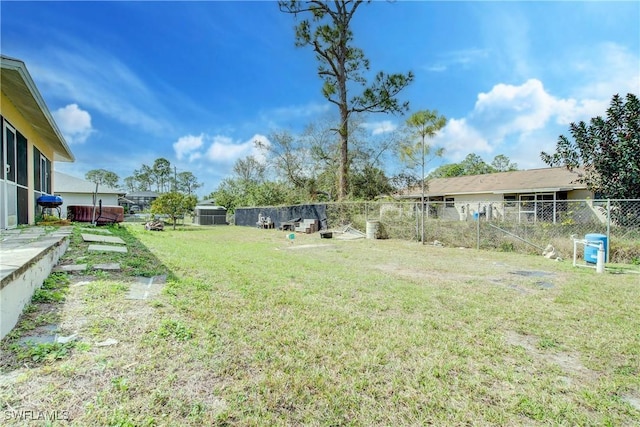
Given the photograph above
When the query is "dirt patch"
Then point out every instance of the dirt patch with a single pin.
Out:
(568, 362)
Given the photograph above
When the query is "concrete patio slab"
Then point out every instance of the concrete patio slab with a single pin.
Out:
(107, 248)
(102, 239)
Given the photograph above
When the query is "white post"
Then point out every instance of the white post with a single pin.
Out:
(600, 259)
(608, 226)
(422, 200)
(478, 228)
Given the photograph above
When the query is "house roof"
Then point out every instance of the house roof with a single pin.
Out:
(64, 183)
(19, 87)
(522, 181)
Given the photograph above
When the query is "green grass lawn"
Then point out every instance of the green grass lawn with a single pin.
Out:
(252, 329)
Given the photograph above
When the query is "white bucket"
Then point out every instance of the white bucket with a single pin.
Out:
(372, 229)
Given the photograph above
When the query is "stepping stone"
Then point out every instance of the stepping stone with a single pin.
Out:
(109, 266)
(38, 339)
(47, 335)
(96, 230)
(101, 239)
(107, 248)
(70, 267)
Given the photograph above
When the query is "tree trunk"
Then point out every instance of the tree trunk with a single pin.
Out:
(343, 174)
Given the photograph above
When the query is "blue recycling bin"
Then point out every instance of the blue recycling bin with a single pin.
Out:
(590, 251)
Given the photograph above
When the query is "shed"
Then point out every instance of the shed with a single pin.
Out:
(208, 213)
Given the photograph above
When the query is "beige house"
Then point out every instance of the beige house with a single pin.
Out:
(524, 195)
(31, 143)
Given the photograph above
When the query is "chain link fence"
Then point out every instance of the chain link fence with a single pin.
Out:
(525, 225)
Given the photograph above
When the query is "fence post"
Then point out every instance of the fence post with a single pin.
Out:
(608, 227)
(478, 227)
(600, 259)
(417, 221)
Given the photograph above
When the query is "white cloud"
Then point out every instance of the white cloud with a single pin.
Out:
(194, 156)
(522, 120)
(224, 150)
(514, 109)
(609, 68)
(459, 139)
(516, 120)
(571, 110)
(188, 145)
(74, 123)
(377, 128)
(219, 149)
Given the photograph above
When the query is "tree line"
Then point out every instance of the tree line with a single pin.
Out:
(295, 169)
(160, 177)
(176, 190)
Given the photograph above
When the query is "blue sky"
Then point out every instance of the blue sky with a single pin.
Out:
(198, 82)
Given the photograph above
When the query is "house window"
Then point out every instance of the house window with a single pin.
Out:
(449, 202)
(41, 172)
(45, 171)
(510, 200)
(9, 148)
